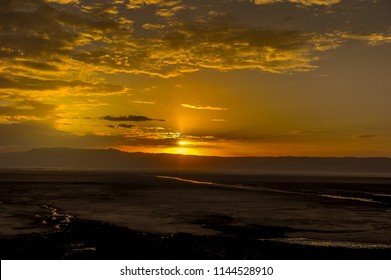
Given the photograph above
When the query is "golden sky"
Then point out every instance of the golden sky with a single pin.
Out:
(205, 77)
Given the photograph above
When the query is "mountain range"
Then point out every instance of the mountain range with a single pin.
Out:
(111, 159)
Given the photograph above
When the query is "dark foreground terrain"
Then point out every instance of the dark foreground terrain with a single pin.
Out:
(97, 215)
(88, 239)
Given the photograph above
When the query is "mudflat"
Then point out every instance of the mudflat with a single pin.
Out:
(119, 215)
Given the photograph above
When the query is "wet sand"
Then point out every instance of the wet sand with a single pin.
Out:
(94, 215)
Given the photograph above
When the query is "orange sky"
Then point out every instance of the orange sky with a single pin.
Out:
(226, 78)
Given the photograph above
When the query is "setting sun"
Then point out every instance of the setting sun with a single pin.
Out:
(182, 151)
(184, 143)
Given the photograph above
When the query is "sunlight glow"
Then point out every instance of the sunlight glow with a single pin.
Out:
(184, 143)
(182, 151)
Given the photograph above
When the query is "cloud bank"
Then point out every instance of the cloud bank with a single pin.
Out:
(130, 118)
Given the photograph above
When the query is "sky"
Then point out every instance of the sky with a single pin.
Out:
(202, 77)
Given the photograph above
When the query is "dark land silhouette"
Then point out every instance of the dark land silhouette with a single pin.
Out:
(111, 159)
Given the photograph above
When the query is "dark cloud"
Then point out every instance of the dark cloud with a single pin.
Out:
(37, 28)
(220, 35)
(130, 118)
(39, 66)
(27, 108)
(31, 83)
(123, 125)
(28, 83)
(364, 136)
(32, 28)
(38, 35)
(37, 134)
(29, 135)
(182, 36)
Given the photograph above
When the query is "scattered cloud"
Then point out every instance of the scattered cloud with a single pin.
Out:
(364, 136)
(151, 26)
(295, 132)
(40, 43)
(130, 118)
(143, 102)
(199, 107)
(63, 1)
(218, 120)
(371, 39)
(88, 103)
(36, 134)
(148, 89)
(39, 66)
(316, 2)
(60, 46)
(73, 87)
(123, 125)
(26, 109)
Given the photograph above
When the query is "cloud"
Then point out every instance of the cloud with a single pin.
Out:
(28, 83)
(32, 28)
(63, 1)
(153, 26)
(364, 136)
(143, 102)
(40, 40)
(302, 2)
(39, 66)
(35, 134)
(122, 125)
(371, 39)
(84, 104)
(316, 2)
(62, 87)
(104, 44)
(137, 4)
(218, 120)
(26, 109)
(198, 107)
(130, 118)
(65, 44)
(295, 132)
(164, 8)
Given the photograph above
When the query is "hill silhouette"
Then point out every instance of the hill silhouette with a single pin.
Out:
(111, 159)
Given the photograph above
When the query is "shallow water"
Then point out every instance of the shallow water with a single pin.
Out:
(316, 210)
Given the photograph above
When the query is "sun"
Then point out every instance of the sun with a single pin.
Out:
(184, 143)
(184, 147)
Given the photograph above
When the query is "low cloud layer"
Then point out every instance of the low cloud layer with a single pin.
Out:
(302, 2)
(130, 118)
(29, 109)
(200, 107)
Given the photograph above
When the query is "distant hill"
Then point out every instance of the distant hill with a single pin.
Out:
(110, 159)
